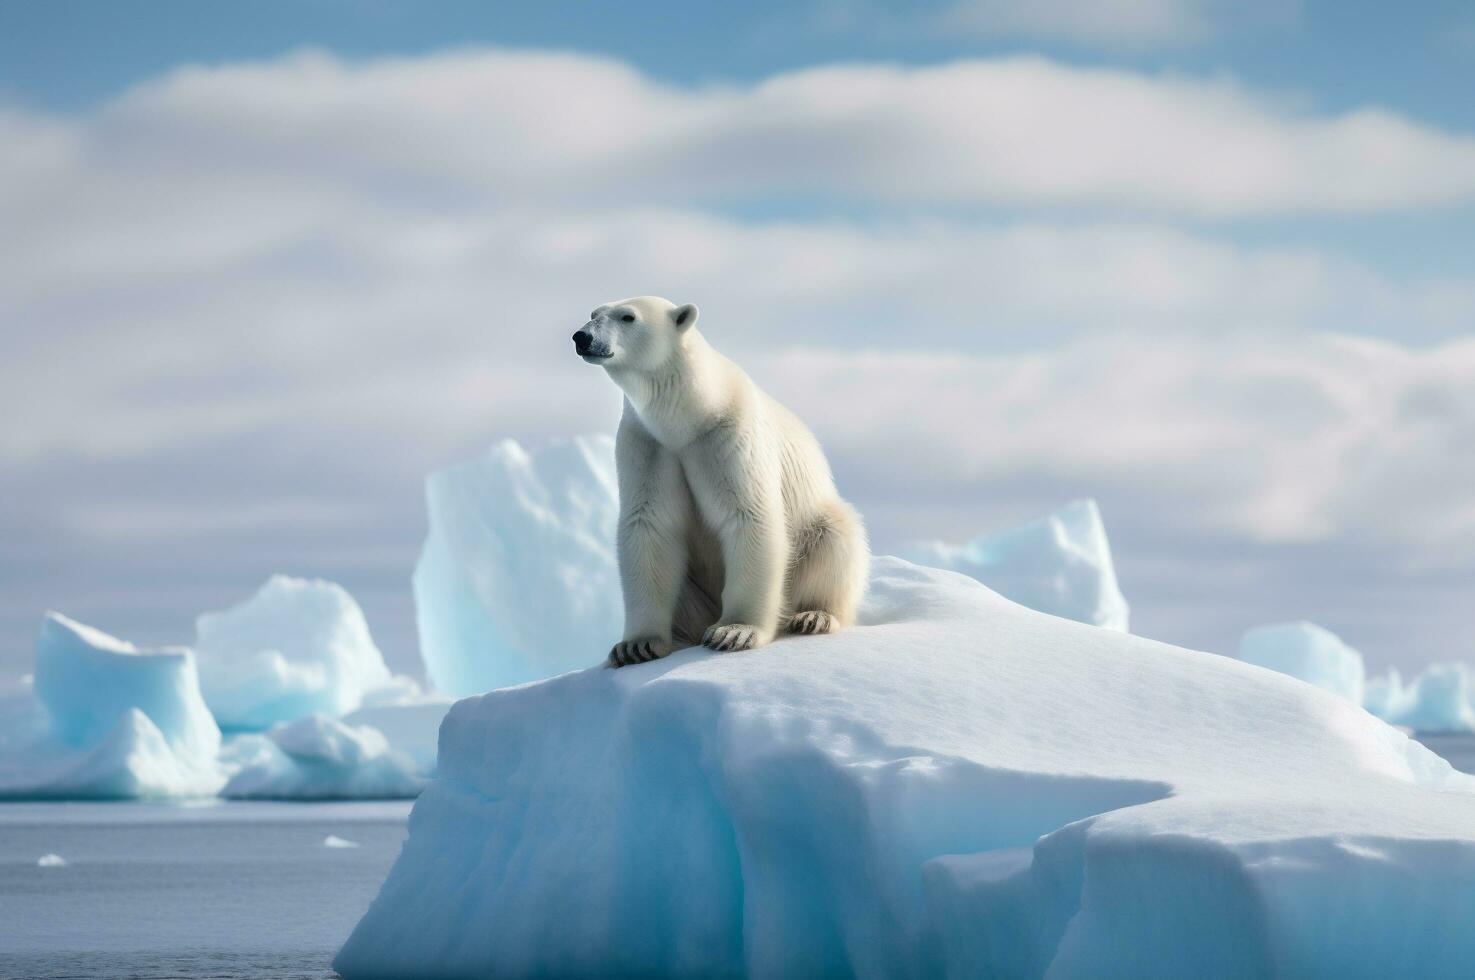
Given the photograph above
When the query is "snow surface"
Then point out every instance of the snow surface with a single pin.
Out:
(517, 580)
(1060, 564)
(297, 647)
(105, 719)
(959, 786)
(1309, 652)
(319, 758)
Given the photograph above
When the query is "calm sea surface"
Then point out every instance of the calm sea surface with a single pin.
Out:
(215, 890)
(219, 890)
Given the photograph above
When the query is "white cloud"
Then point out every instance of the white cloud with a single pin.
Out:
(1271, 437)
(499, 125)
(251, 296)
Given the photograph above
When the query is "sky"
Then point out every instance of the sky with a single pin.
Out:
(263, 267)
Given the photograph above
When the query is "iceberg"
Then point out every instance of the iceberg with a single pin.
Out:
(108, 720)
(318, 758)
(1309, 652)
(1059, 564)
(1439, 699)
(958, 786)
(412, 726)
(295, 648)
(517, 580)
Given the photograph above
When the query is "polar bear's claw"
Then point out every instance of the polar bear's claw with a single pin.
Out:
(733, 636)
(629, 652)
(814, 621)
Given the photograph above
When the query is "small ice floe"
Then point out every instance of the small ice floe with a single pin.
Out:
(333, 840)
(51, 861)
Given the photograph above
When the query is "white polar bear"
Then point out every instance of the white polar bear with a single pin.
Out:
(730, 525)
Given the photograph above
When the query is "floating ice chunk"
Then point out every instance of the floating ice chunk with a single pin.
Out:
(87, 680)
(108, 721)
(51, 861)
(412, 727)
(296, 647)
(333, 840)
(956, 786)
(517, 580)
(318, 758)
(1309, 652)
(1384, 694)
(1438, 700)
(1060, 564)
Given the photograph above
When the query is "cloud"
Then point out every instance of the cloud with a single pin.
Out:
(556, 128)
(246, 308)
(1268, 437)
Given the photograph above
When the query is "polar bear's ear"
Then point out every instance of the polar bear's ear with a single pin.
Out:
(684, 316)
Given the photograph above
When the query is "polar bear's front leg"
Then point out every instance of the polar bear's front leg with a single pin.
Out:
(655, 507)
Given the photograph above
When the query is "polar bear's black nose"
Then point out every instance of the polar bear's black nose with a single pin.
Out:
(582, 340)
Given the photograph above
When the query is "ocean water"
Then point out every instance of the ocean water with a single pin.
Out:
(239, 890)
(215, 890)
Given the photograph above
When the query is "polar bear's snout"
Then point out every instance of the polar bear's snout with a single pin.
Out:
(588, 348)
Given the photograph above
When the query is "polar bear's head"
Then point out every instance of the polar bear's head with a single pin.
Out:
(638, 334)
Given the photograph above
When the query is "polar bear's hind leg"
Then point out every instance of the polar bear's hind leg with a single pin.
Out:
(829, 571)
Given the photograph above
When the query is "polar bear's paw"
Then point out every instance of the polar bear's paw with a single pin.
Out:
(732, 636)
(639, 651)
(814, 621)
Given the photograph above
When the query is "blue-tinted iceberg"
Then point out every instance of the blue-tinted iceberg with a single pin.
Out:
(318, 758)
(1059, 564)
(517, 580)
(957, 786)
(1440, 699)
(295, 648)
(1309, 652)
(412, 726)
(108, 720)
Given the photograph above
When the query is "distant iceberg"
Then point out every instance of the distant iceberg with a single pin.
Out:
(108, 721)
(103, 719)
(958, 786)
(1059, 564)
(295, 648)
(517, 580)
(1312, 653)
(319, 758)
(1440, 699)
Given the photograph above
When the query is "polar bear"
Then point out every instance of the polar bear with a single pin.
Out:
(730, 526)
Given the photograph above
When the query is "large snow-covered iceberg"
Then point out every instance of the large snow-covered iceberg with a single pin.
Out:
(1312, 653)
(108, 720)
(958, 786)
(295, 648)
(517, 580)
(1060, 564)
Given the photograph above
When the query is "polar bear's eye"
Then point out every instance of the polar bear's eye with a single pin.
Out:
(628, 318)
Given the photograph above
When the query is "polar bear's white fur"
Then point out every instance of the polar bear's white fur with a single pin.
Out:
(730, 525)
